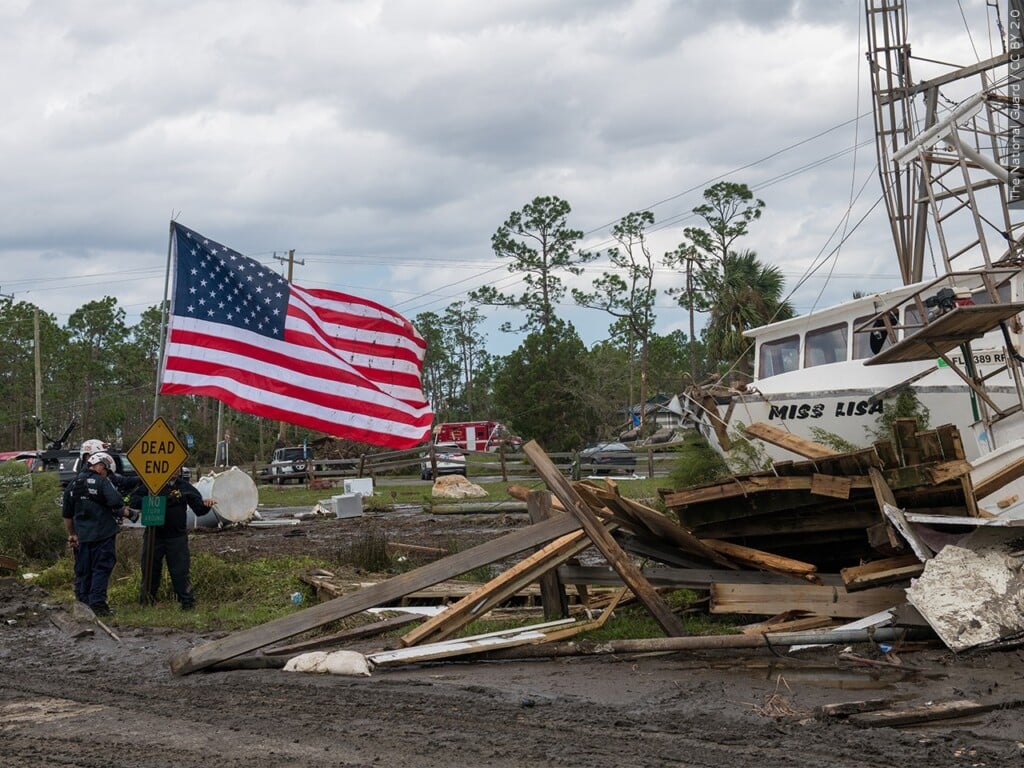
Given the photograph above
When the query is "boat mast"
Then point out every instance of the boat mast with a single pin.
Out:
(941, 161)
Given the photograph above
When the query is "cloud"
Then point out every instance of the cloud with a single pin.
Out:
(386, 141)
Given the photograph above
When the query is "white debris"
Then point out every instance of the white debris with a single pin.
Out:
(349, 663)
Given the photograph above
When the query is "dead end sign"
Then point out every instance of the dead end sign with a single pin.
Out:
(157, 455)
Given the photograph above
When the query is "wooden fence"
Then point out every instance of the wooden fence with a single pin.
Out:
(503, 466)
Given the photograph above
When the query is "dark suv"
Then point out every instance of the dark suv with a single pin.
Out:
(66, 464)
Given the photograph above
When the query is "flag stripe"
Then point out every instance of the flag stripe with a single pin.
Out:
(320, 359)
(192, 349)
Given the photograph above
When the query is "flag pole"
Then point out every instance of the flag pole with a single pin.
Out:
(164, 309)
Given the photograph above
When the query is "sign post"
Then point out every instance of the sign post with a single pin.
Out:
(156, 456)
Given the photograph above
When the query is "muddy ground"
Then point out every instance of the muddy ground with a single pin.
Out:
(101, 701)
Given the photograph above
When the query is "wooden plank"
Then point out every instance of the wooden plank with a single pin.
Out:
(941, 710)
(830, 485)
(886, 451)
(603, 540)
(930, 445)
(880, 572)
(1004, 476)
(791, 442)
(736, 487)
(949, 470)
(69, 626)
(344, 636)
(207, 654)
(884, 496)
(683, 578)
(662, 526)
(552, 594)
(818, 600)
(844, 708)
(905, 433)
(759, 559)
(498, 589)
(787, 625)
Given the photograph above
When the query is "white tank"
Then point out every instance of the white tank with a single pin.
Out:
(236, 498)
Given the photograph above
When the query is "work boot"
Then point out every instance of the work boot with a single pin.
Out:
(101, 609)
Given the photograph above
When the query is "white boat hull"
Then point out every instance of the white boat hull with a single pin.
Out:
(840, 401)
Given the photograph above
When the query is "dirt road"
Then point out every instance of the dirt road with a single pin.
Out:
(97, 701)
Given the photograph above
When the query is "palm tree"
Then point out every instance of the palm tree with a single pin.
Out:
(746, 294)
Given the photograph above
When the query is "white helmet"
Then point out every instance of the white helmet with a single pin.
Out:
(93, 446)
(103, 458)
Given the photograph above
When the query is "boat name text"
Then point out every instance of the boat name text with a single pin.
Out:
(817, 410)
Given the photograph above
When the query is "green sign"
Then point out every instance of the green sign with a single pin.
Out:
(154, 510)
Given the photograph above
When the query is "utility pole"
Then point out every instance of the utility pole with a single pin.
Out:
(291, 268)
(38, 374)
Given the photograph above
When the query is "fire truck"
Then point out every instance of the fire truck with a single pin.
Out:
(477, 435)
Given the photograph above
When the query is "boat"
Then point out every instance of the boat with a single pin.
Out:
(949, 343)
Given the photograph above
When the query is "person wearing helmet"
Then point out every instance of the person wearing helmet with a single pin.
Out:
(124, 484)
(92, 516)
(170, 540)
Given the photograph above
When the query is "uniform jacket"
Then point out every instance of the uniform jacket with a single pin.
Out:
(180, 495)
(95, 505)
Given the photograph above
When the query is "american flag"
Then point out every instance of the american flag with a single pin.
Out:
(335, 363)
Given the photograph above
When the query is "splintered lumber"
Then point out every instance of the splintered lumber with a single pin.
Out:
(498, 589)
(552, 594)
(787, 625)
(997, 480)
(699, 643)
(758, 559)
(949, 470)
(881, 572)
(780, 437)
(831, 485)
(69, 626)
(522, 493)
(354, 633)
(208, 654)
(941, 710)
(680, 578)
(844, 708)
(818, 600)
(603, 540)
(885, 498)
(659, 525)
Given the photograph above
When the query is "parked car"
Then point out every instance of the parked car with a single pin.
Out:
(291, 463)
(607, 458)
(450, 460)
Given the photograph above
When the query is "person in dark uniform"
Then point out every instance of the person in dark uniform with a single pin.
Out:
(170, 540)
(123, 483)
(93, 513)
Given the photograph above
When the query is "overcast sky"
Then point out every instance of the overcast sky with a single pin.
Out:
(386, 140)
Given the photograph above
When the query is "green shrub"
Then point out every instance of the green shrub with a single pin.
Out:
(698, 463)
(31, 528)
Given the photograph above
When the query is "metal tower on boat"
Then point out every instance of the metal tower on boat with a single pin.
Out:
(943, 161)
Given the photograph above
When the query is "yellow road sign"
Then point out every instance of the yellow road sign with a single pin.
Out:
(157, 455)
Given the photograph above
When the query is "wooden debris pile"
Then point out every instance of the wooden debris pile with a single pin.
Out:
(809, 543)
(830, 509)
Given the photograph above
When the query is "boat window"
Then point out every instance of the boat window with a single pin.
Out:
(826, 345)
(912, 321)
(869, 343)
(779, 356)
